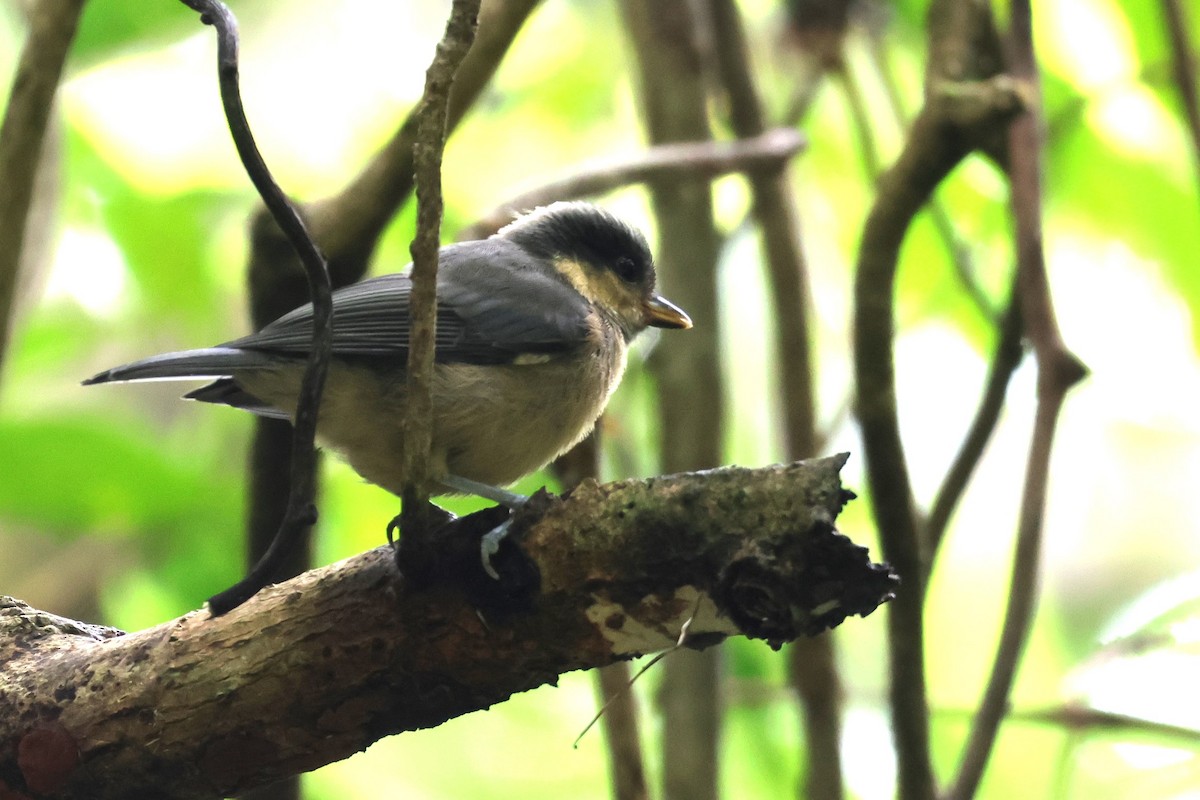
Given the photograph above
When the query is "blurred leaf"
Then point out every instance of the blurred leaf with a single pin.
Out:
(1140, 202)
(167, 242)
(75, 476)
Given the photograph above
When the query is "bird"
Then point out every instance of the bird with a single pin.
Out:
(532, 331)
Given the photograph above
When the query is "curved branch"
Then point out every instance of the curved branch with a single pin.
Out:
(315, 669)
(301, 510)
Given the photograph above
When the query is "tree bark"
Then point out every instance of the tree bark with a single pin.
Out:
(317, 668)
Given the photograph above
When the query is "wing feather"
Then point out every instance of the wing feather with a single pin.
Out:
(494, 303)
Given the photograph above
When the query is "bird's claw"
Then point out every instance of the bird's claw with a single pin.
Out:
(489, 546)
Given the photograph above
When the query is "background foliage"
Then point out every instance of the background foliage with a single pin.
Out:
(120, 504)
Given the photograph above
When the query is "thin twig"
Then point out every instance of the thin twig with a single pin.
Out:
(1058, 371)
(621, 690)
(1185, 67)
(301, 511)
(765, 153)
(52, 26)
(427, 158)
(860, 121)
(945, 500)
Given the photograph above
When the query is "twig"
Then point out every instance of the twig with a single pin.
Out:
(628, 685)
(764, 153)
(52, 26)
(427, 158)
(1004, 364)
(1058, 371)
(1184, 65)
(860, 121)
(301, 512)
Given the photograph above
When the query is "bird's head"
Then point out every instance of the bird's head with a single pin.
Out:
(605, 259)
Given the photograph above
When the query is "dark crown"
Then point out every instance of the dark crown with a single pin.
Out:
(588, 234)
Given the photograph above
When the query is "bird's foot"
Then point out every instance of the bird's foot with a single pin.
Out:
(489, 545)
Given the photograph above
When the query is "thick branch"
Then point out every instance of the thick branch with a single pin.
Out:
(315, 669)
(52, 26)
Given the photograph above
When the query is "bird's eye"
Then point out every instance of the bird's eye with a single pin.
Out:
(627, 269)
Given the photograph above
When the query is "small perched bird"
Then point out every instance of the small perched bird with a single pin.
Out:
(532, 329)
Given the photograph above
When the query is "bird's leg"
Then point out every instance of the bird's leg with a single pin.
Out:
(485, 490)
(489, 545)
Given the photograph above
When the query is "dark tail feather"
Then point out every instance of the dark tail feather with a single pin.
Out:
(213, 362)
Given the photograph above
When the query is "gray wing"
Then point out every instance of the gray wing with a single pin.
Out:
(494, 303)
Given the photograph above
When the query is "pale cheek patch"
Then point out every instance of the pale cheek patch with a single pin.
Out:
(604, 288)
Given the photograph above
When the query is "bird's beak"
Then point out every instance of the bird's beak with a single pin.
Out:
(662, 313)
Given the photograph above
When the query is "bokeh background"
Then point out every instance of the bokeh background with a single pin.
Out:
(124, 505)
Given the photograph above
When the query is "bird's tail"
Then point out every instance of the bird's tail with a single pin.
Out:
(212, 362)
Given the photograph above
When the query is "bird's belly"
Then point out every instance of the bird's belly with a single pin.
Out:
(504, 422)
(493, 424)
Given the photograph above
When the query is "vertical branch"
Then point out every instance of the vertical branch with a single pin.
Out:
(673, 100)
(927, 158)
(427, 158)
(1185, 67)
(1058, 371)
(812, 662)
(52, 26)
(618, 703)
